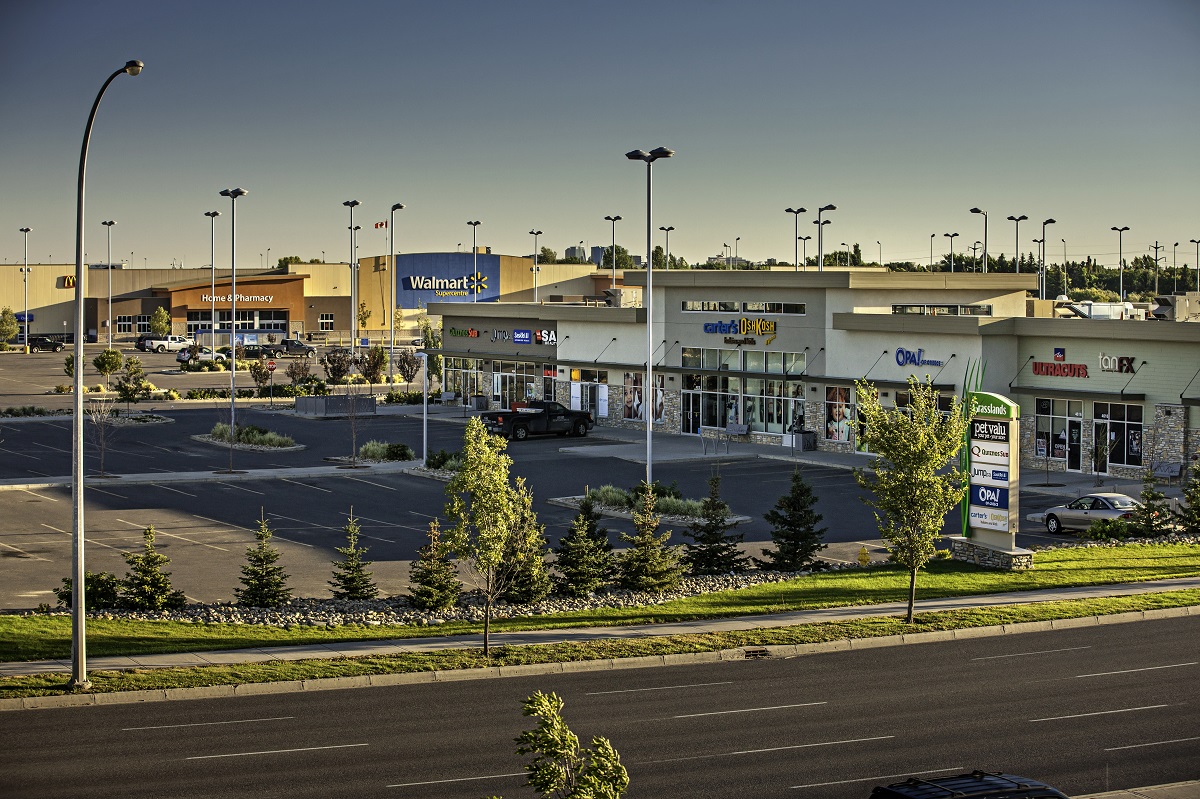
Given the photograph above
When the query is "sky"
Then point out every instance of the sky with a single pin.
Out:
(902, 114)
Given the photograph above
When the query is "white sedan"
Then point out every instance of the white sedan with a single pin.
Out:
(202, 354)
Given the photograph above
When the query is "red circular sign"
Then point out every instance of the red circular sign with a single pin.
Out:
(270, 366)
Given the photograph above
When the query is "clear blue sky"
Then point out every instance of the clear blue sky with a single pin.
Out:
(903, 114)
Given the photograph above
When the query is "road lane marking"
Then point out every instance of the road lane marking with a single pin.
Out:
(1038, 652)
(459, 779)
(748, 710)
(306, 485)
(239, 488)
(176, 490)
(39, 496)
(173, 535)
(275, 751)
(206, 724)
(22, 454)
(660, 688)
(1132, 671)
(1100, 713)
(89, 540)
(368, 482)
(763, 751)
(1155, 743)
(880, 777)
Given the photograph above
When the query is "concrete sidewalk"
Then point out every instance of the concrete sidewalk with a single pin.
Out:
(793, 618)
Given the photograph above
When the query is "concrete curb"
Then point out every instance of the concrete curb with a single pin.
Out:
(571, 667)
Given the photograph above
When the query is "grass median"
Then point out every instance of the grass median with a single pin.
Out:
(44, 637)
(104, 681)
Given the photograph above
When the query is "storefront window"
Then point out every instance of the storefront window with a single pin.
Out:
(839, 413)
(124, 324)
(325, 322)
(1124, 423)
(1054, 431)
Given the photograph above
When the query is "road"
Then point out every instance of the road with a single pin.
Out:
(1085, 709)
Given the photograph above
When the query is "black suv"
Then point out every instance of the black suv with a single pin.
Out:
(976, 785)
(43, 344)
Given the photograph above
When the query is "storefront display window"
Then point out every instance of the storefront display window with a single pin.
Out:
(839, 413)
(636, 399)
(463, 376)
(325, 322)
(1121, 426)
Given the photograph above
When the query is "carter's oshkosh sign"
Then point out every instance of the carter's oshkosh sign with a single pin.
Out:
(240, 297)
(742, 327)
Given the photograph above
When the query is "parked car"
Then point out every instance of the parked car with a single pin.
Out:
(163, 343)
(1080, 513)
(976, 785)
(294, 346)
(202, 354)
(539, 417)
(43, 344)
(250, 352)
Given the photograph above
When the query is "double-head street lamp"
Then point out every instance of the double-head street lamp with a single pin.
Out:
(1197, 243)
(847, 246)
(1044, 276)
(1017, 241)
(79, 680)
(648, 393)
(392, 289)
(233, 195)
(804, 249)
(615, 218)
(212, 218)
(108, 224)
(985, 255)
(352, 204)
(821, 234)
(1120, 231)
(667, 260)
(474, 260)
(25, 278)
(535, 268)
(795, 212)
(951, 236)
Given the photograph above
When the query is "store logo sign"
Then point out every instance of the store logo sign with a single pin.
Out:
(909, 358)
(500, 335)
(989, 430)
(989, 497)
(742, 327)
(1055, 369)
(1116, 363)
(548, 337)
(1060, 353)
(522, 337)
(987, 452)
(464, 332)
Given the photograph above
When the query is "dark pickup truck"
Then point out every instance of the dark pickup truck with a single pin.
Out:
(539, 418)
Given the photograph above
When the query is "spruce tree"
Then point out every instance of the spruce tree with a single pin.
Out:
(794, 529)
(650, 563)
(435, 584)
(146, 586)
(1188, 515)
(585, 561)
(715, 550)
(526, 552)
(351, 580)
(1151, 518)
(265, 581)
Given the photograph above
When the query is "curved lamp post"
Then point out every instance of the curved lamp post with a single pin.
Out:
(212, 218)
(535, 268)
(795, 212)
(474, 260)
(667, 260)
(79, 680)
(804, 249)
(820, 235)
(985, 256)
(1197, 243)
(951, 236)
(615, 218)
(648, 390)
(1017, 241)
(1044, 275)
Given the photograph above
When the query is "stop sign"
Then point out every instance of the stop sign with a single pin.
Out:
(270, 366)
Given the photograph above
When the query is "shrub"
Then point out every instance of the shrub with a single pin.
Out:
(373, 451)
(24, 410)
(1108, 530)
(403, 398)
(440, 459)
(400, 452)
(609, 496)
(252, 434)
(202, 393)
(100, 590)
(670, 506)
(656, 488)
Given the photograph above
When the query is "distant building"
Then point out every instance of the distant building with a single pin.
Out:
(577, 252)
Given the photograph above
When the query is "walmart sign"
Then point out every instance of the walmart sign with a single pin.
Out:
(422, 278)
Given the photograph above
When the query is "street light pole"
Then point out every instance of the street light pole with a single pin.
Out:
(1174, 268)
(795, 212)
(108, 224)
(1041, 243)
(880, 253)
(474, 260)
(667, 230)
(392, 290)
(735, 250)
(1017, 241)
(424, 356)
(804, 249)
(821, 235)
(985, 232)
(1156, 248)
(1066, 280)
(535, 268)
(233, 195)
(847, 246)
(932, 236)
(1121, 257)
(951, 236)
(79, 680)
(1197, 243)
(352, 204)
(25, 279)
(212, 218)
(648, 391)
(614, 219)
(1045, 274)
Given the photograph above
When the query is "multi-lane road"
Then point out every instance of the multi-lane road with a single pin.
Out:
(1085, 709)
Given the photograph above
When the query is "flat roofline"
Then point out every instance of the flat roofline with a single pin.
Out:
(1002, 282)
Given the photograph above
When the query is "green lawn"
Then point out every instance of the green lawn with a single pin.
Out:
(109, 681)
(43, 637)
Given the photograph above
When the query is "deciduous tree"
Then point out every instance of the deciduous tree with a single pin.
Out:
(106, 363)
(160, 322)
(374, 364)
(9, 326)
(408, 366)
(132, 385)
(526, 551)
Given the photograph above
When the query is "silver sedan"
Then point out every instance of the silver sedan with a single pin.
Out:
(1079, 514)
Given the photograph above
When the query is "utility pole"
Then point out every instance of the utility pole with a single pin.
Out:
(1156, 248)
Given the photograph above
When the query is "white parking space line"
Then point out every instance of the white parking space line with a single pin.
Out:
(275, 751)
(392, 524)
(1038, 652)
(47, 446)
(22, 454)
(173, 535)
(458, 779)
(240, 488)
(102, 491)
(659, 688)
(88, 540)
(1100, 713)
(308, 525)
(306, 485)
(168, 488)
(155, 446)
(1132, 671)
(39, 496)
(747, 710)
(880, 778)
(23, 552)
(206, 724)
(368, 482)
(1153, 743)
(764, 751)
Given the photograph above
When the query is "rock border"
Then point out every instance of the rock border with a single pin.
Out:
(205, 438)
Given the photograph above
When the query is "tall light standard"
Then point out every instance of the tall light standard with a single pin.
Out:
(474, 260)
(820, 235)
(1066, 281)
(804, 249)
(268, 258)
(615, 218)
(847, 246)
(352, 204)
(233, 195)
(795, 212)
(726, 250)
(424, 356)
(1045, 275)
(951, 236)
(79, 680)
(932, 236)
(1174, 269)
(975, 254)
(1041, 243)
(212, 218)
(25, 278)
(648, 392)
(735, 250)
(1017, 240)
(535, 268)
(985, 255)
(880, 252)
(667, 260)
(1121, 257)
(108, 224)
(1197, 243)
(1156, 248)
(392, 290)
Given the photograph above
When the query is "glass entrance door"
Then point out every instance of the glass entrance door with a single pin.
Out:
(1074, 445)
(689, 416)
(1100, 446)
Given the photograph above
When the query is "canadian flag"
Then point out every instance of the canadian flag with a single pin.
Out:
(380, 224)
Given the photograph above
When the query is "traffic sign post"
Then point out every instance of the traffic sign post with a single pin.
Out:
(271, 371)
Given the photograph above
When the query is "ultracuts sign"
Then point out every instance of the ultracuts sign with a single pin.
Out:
(1052, 369)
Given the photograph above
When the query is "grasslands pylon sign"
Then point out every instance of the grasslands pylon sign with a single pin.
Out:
(991, 509)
